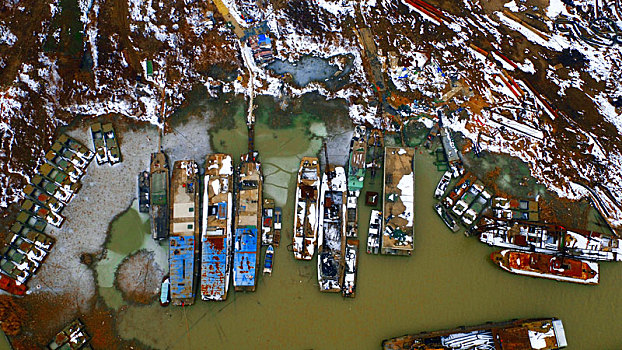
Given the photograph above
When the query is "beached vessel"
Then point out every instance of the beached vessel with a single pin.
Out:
(60, 178)
(373, 235)
(184, 231)
(278, 223)
(42, 197)
(268, 261)
(159, 196)
(72, 337)
(247, 222)
(525, 334)
(143, 192)
(165, 291)
(217, 237)
(398, 201)
(351, 261)
(553, 267)
(267, 222)
(99, 143)
(32, 235)
(331, 231)
(443, 183)
(10, 285)
(61, 193)
(549, 239)
(306, 208)
(79, 157)
(112, 145)
(80, 150)
(51, 217)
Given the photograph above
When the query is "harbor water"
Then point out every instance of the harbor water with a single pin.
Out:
(448, 281)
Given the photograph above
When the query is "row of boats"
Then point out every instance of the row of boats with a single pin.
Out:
(51, 189)
(236, 221)
(531, 248)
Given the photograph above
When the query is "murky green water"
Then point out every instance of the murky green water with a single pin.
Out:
(449, 281)
(129, 233)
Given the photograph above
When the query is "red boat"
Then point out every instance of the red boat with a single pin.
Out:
(547, 266)
(10, 285)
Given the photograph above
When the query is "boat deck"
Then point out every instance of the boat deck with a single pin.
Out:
(184, 228)
(248, 221)
(398, 201)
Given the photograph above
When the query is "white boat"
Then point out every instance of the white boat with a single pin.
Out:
(165, 291)
(306, 209)
(441, 188)
(373, 235)
(332, 229)
(351, 260)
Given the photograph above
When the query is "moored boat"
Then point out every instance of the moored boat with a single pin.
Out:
(247, 222)
(375, 154)
(306, 208)
(165, 291)
(331, 230)
(524, 334)
(216, 236)
(184, 229)
(357, 161)
(278, 222)
(159, 196)
(553, 267)
(268, 260)
(443, 183)
(547, 238)
(373, 235)
(351, 260)
(267, 229)
(446, 217)
(398, 202)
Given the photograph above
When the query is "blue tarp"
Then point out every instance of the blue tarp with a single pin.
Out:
(181, 266)
(214, 267)
(245, 257)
